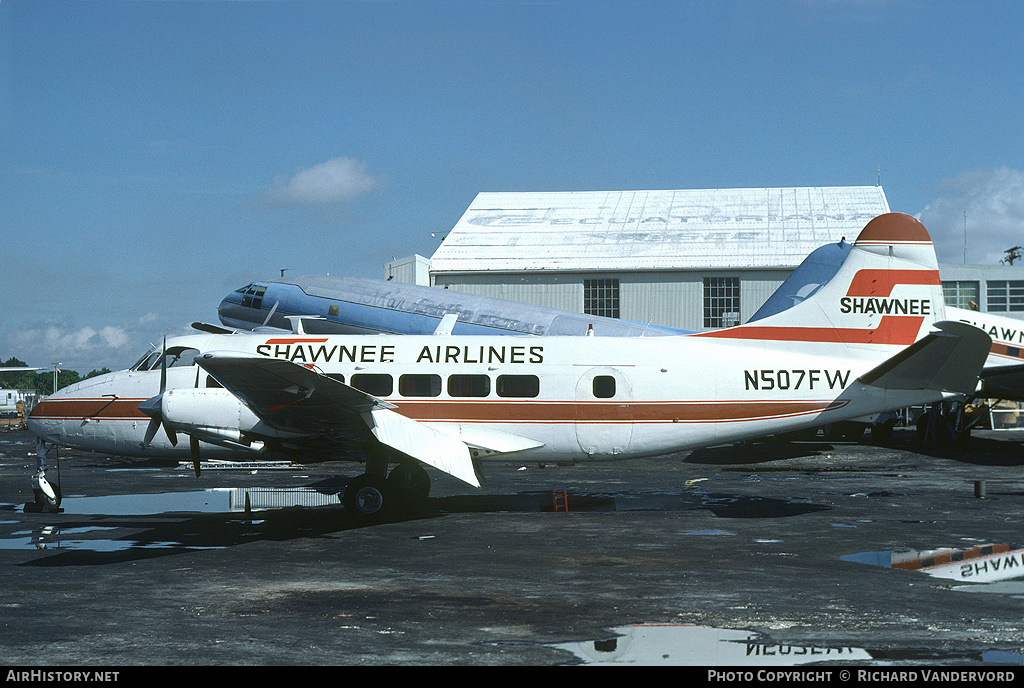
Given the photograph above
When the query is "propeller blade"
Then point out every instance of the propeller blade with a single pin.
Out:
(151, 432)
(152, 407)
(163, 368)
(171, 435)
(193, 444)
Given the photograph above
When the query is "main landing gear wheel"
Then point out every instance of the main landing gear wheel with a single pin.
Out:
(409, 484)
(367, 497)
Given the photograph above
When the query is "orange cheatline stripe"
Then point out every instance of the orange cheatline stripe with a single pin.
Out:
(881, 282)
(893, 329)
(296, 340)
(503, 411)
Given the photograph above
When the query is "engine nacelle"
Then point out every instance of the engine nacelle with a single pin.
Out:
(213, 412)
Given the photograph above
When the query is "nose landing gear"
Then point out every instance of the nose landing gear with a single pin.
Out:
(46, 497)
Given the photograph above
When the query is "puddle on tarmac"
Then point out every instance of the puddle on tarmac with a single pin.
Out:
(99, 538)
(211, 501)
(327, 494)
(689, 645)
(989, 567)
(54, 537)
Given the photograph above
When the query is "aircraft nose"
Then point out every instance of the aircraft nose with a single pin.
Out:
(228, 311)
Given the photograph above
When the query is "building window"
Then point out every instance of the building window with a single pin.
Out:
(961, 294)
(601, 297)
(721, 301)
(1005, 295)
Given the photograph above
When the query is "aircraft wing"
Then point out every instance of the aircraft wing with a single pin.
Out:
(291, 397)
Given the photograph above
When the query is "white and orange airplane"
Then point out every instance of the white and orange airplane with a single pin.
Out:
(873, 339)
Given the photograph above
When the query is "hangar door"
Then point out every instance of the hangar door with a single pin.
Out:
(604, 412)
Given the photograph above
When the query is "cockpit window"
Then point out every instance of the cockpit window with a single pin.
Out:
(147, 360)
(252, 295)
(176, 356)
(180, 356)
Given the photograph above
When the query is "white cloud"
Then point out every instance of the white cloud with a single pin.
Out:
(81, 349)
(335, 181)
(993, 200)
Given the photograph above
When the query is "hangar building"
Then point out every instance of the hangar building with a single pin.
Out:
(693, 259)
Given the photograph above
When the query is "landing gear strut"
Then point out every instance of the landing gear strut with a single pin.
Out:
(46, 497)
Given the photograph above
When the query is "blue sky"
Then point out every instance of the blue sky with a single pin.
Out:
(155, 155)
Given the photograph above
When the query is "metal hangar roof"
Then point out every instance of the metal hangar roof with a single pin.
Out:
(653, 230)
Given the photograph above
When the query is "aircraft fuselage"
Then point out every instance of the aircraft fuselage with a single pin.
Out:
(579, 398)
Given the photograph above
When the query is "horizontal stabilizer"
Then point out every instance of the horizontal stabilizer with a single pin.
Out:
(423, 443)
(949, 360)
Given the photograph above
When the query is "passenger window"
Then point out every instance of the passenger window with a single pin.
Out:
(419, 385)
(518, 386)
(604, 386)
(336, 376)
(377, 384)
(469, 386)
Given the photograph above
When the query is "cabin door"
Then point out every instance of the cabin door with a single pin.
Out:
(604, 412)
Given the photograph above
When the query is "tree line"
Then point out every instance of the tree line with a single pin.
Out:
(41, 380)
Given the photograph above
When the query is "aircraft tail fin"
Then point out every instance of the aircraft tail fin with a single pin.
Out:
(886, 293)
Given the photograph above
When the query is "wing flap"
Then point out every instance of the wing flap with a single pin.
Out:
(423, 443)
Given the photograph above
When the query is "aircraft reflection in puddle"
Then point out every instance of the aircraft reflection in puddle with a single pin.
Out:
(689, 645)
(178, 532)
(214, 501)
(685, 644)
(997, 568)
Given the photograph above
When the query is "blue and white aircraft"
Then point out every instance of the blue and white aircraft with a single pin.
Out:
(350, 305)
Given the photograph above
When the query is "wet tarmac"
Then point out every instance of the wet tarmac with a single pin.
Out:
(769, 554)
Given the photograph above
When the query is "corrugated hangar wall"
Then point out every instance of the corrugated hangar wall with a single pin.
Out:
(651, 251)
(673, 299)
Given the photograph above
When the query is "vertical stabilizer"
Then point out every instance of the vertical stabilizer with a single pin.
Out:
(886, 293)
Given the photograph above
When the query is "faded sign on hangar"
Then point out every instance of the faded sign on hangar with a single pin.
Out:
(654, 229)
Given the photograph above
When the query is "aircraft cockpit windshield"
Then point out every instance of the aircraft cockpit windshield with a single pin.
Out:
(252, 295)
(176, 356)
